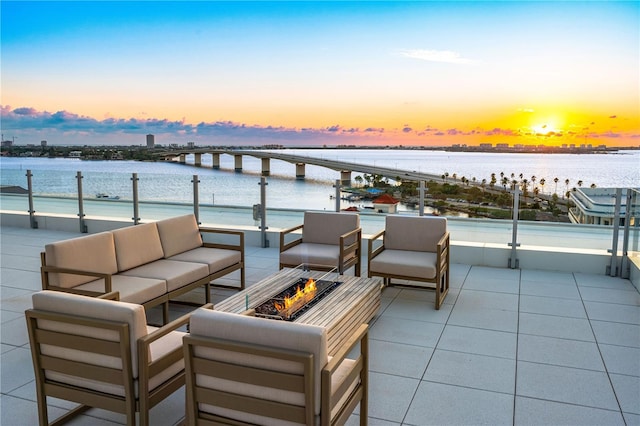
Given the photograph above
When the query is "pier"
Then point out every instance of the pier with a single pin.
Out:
(345, 168)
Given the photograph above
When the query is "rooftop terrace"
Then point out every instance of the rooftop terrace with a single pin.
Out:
(509, 346)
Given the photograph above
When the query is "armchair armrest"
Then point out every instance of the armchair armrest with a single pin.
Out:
(361, 336)
(239, 234)
(284, 232)
(371, 252)
(46, 270)
(114, 295)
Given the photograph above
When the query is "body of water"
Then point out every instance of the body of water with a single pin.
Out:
(161, 181)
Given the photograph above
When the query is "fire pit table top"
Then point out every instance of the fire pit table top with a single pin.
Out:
(345, 308)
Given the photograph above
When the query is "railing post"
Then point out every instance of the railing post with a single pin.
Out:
(263, 212)
(421, 209)
(32, 217)
(136, 206)
(83, 226)
(337, 187)
(513, 259)
(612, 269)
(196, 202)
(624, 263)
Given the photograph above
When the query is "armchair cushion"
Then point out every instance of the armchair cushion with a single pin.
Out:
(420, 233)
(326, 228)
(179, 234)
(94, 253)
(313, 254)
(137, 245)
(405, 263)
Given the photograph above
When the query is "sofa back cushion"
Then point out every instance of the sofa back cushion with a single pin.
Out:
(275, 334)
(327, 227)
(137, 245)
(414, 233)
(90, 307)
(91, 253)
(179, 234)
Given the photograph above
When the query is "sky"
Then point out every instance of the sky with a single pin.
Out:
(321, 73)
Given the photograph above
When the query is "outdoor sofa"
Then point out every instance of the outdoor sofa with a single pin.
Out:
(147, 264)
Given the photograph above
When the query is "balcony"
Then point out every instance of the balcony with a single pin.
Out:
(536, 332)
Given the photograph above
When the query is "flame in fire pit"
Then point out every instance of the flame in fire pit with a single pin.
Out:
(302, 296)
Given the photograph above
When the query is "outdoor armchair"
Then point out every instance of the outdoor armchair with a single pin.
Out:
(328, 240)
(101, 353)
(247, 370)
(415, 249)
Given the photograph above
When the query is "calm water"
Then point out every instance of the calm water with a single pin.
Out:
(172, 182)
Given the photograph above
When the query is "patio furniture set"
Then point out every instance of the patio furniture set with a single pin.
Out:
(238, 367)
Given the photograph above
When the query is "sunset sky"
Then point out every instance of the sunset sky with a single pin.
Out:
(309, 73)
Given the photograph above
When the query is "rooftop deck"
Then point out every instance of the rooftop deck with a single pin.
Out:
(508, 347)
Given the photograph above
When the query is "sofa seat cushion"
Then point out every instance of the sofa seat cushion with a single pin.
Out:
(406, 263)
(315, 254)
(216, 259)
(176, 274)
(179, 234)
(132, 289)
(91, 253)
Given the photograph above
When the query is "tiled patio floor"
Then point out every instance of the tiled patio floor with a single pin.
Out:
(519, 347)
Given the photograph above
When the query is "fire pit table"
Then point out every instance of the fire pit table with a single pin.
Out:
(346, 302)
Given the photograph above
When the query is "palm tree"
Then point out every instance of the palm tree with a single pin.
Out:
(533, 181)
(566, 184)
(484, 182)
(556, 182)
(593, 185)
(454, 176)
(493, 180)
(542, 182)
(579, 184)
(505, 182)
(525, 183)
(358, 180)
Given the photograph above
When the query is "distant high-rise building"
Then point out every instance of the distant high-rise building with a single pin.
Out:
(191, 145)
(43, 144)
(151, 141)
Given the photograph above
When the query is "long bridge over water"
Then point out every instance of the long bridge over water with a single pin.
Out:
(345, 168)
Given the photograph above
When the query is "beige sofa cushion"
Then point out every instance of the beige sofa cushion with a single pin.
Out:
(419, 264)
(417, 233)
(179, 234)
(176, 274)
(277, 334)
(327, 227)
(92, 253)
(131, 289)
(215, 259)
(137, 245)
(73, 304)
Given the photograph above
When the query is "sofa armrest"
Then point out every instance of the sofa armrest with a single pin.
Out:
(285, 232)
(114, 295)
(239, 234)
(361, 368)
(46, 270)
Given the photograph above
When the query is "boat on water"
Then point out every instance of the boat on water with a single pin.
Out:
(103, 196)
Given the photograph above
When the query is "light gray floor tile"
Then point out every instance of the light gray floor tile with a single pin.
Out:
(613, 312)
(418, 310)
(622, 297)
(416, 295)
(399, 330)
(561, 352)
(391, 399)
(473, 371)
(15, 332)
(441, 404)
(493, 273)
(7, 316)
(563, 291)
(616, 333)
(492, 284)
(552, 326)
(17, 369)
(621, 360)
(478, 341)
(564, 384)
(487, 300)
(490, 319)
(627, 390)
(398, 359)
(552, 306)
(632, 419)
(547, 277)
(21, 412)
(603, 281)
(354, 420)
(536, 412)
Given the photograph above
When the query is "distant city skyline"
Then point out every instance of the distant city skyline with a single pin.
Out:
(321, 73)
